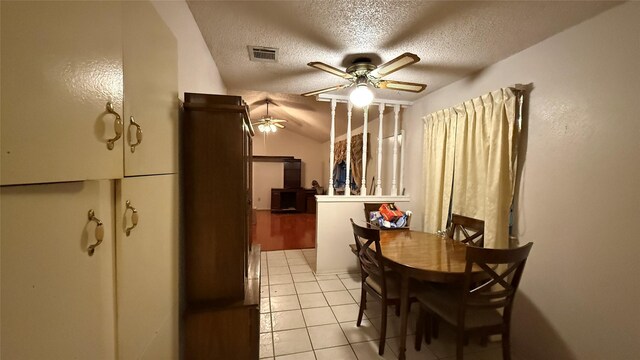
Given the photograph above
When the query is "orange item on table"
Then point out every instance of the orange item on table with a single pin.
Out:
(390, 213)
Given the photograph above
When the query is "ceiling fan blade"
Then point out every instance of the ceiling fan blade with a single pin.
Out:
(278, 120)
(401, 85)
(258, 103)
(330, 69)
(279, 126)
(394, 65)
(333, 88)
(294, 104)
(281, 113)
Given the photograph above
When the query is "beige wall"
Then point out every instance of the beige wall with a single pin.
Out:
(266, 175)
(197, 71)
(288, 143)
(579, 195)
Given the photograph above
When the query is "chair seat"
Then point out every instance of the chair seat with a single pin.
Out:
(393, 280)
(445, 303)
(393, 285)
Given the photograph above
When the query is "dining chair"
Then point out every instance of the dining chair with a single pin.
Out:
(377, 280)
(482, 304)
(471, 230)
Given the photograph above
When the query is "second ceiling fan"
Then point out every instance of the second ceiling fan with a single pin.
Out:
(363, 73)
(267, 123)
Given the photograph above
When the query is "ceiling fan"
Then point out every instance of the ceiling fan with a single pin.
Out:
(363, 73)
(268, 124)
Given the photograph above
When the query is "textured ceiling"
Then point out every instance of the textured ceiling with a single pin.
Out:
(453, 39)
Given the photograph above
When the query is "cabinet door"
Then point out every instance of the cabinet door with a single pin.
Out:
(276, 200)
(147, 263)
(57, 301)
(150, 92)
(61, 64)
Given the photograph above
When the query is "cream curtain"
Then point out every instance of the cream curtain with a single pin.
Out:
(439, 145)
(484, 164)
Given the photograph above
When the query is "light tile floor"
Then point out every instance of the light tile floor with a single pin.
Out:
(309, 317)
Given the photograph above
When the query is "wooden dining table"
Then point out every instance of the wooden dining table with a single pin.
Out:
(421, 256)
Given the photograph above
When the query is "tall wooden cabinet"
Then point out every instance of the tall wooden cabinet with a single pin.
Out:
(62, 62)
(221, 269)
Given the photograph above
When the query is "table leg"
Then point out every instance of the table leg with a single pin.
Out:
(404, 314)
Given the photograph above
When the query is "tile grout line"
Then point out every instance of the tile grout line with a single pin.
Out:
(349, 343)
(333, 313)
(338, 321)
(341, 329)
(313, 350)
(306, 327)
(303, 319)
(273, 342)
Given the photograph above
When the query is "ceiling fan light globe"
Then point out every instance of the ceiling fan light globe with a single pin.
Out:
(261, 127)
(273, 128)
(361, 96)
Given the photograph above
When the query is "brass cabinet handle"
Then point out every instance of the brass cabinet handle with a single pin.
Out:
(99, 233)
(134, 217)
(138, 134)
(117, 126)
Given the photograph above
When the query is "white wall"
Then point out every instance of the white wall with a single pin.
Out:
(266, 175)
(288, 143)
(197, 71)
(578, 199)
(334, 233)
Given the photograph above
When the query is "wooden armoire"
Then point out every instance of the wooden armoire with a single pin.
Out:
(221, 268)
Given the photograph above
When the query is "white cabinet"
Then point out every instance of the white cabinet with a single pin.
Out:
(57, 302)
(61, 64)
(147, 263)
(150, 92)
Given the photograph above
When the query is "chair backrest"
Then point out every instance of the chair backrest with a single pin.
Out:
(369, 254)
(471, 230)
(501, 273)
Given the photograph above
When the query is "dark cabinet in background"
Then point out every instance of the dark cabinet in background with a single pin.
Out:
(293, 200)
(221, 270)
(292, 173)
(310, 199)
(288, 200)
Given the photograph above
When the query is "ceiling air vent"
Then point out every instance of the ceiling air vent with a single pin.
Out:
(261, 53)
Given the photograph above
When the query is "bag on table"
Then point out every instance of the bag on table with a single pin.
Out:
(390, 213)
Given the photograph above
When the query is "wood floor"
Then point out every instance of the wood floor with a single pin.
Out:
(284, 231)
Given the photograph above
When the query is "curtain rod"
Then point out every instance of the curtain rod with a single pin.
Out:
(519, 91)
(520, 88)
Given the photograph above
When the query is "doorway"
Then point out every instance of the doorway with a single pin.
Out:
(283, 212)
